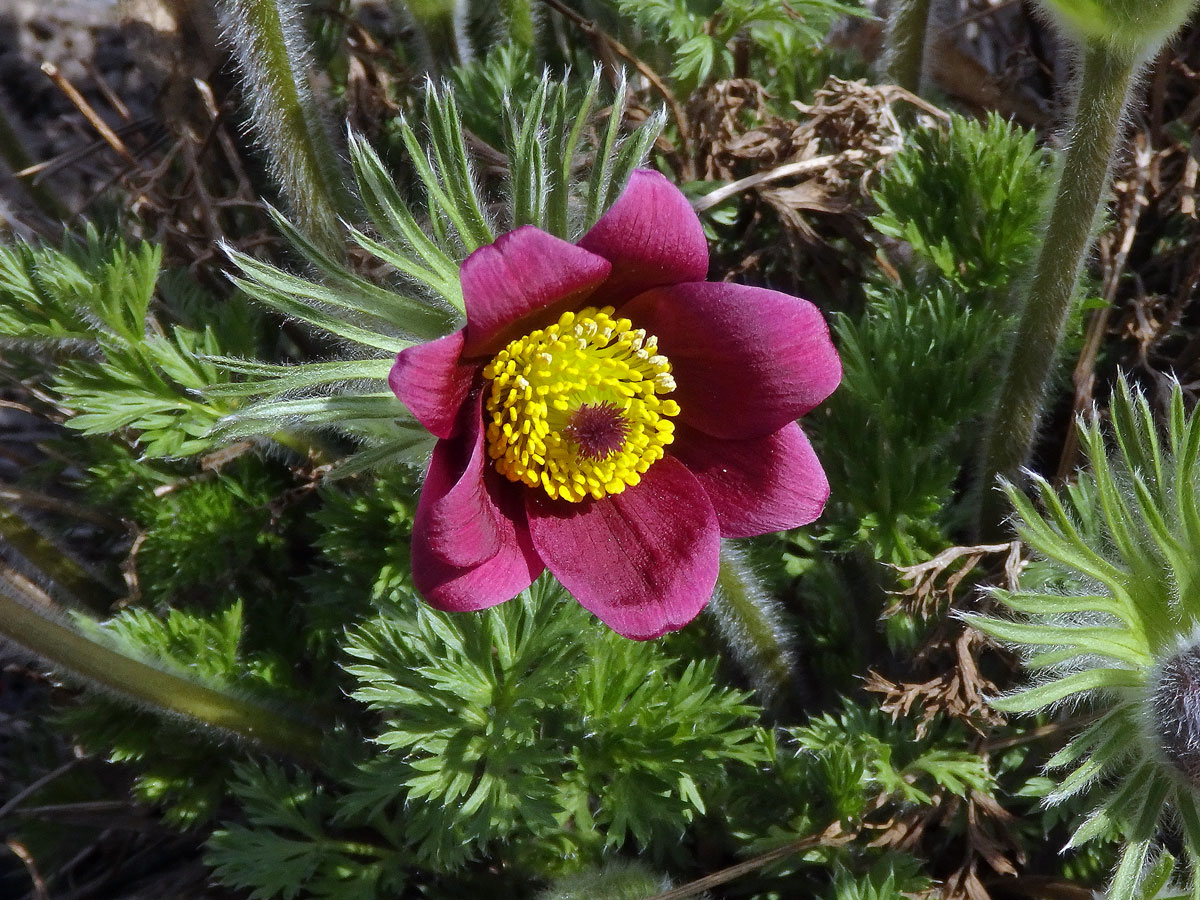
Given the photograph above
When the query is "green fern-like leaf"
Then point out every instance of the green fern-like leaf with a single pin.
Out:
(478, 711)
(967, 199)
(468, 700)
(886, 757)
(175, 770)
(287, 850)
(131, 367)
(911, 388)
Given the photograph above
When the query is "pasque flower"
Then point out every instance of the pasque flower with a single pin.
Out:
(608, 415)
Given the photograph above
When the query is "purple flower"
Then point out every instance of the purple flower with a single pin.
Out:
(607, 414)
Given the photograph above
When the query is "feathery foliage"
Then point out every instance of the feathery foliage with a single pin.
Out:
(863, 753)
(287, 849)
(911, 387)
(500, 729)
(481, 743)
(128, 362)
(968, 199)
(780, 35)
(174, 770)
(888, 879)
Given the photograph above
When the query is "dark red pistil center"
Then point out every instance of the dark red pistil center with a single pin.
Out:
(597, 429)
(1175, 709)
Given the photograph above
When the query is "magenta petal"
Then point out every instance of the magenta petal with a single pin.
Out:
(471, 547)
(432, 381)
(651, 236)
(524, 272)
(759, 485)
(746, 360)
(644, 561)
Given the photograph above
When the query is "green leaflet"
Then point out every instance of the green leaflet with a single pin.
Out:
(1115, 643)
(1060, 689)
(284, 378)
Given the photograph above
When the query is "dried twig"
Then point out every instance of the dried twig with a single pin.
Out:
(923, 593)
(22, 853)
(35, 500)
(110, 96)
(110, 137)
(833, 836)
(816, 164)
(34, 786)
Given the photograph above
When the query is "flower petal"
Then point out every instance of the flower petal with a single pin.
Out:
(644, 561)
(759, 485)
(746, 360)
(432, 381)
(651, 236)
(525, 271)
(471, 547)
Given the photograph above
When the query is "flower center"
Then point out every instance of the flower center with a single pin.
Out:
(1175, 710)
(577, 407)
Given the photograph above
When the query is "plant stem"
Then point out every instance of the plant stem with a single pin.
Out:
(833, 836)
(750, 624)
(17, 534)
(269, 45)
(519, 14)
(908, 26)
(441, 23)
(26, 620)
(1104, 83)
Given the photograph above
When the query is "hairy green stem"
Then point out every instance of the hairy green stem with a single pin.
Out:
(441, 22)
(16, 533)
(269, 44)
(519, 14)
(908, 27)
(1104, 84)
(750, 623)
(27, 621)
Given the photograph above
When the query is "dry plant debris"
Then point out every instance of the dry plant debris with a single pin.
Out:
(947, 681)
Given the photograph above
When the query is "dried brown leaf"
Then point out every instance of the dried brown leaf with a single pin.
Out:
(931, 584)
(957, 692)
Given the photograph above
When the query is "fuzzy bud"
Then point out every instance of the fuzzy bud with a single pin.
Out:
(1175, 709)
(1133, 28)
(616, 880)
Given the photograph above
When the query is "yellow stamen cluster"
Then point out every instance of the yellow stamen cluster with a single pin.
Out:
(577, 408)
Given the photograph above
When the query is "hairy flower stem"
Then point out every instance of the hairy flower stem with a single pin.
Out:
(268, 41)
(443, 25)
(1104, 84)
(908, 26)
(27, 620)
(749, 621)
(63, 571)
(519, 14)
